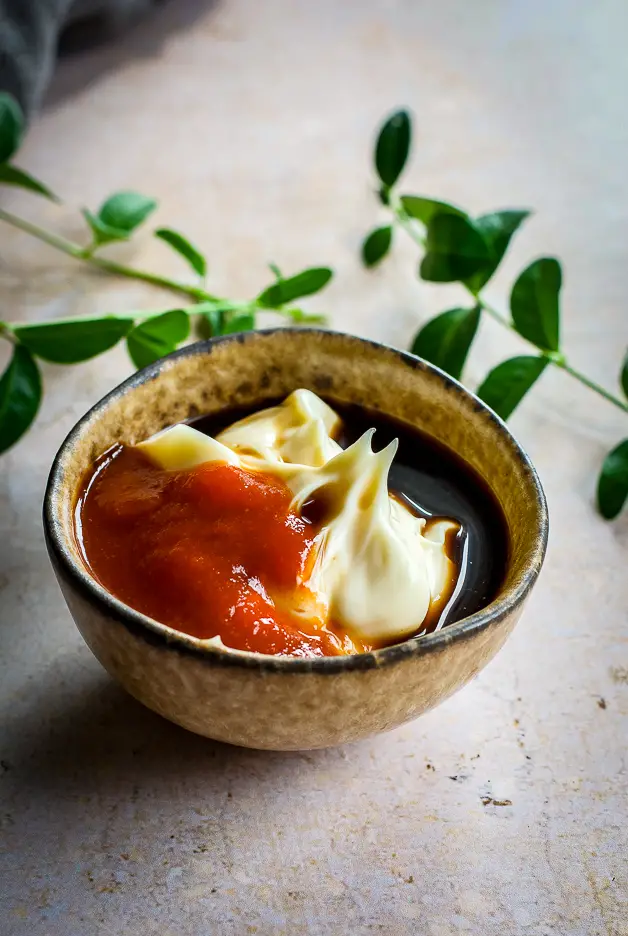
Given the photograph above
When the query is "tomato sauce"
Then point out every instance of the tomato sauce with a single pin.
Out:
(212, 551)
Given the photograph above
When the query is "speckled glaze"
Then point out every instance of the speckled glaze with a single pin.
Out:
(281, 703)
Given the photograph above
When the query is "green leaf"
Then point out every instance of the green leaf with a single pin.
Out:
(445, 340)
(497, 229)
(183, 246)
(209, 324)
(241, 322)
(11, 175)
(507, 384)
(287, 290)
(125, 211)
(455, 249)
(424, 209)
(157, 336)
(213, 315)
(102, 233)
(623, 377)
(71, 342)
(20, 396)
(534, 303)
(376, 245)
(275, 270)
(213, 322)
(612, 485)
(299, 317)
(11, 126)
(392, 147)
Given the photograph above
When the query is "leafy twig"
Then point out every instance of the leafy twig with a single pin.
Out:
(406, 222)
(103, 264)
(458, 248)
(149, 334)
(591, 384)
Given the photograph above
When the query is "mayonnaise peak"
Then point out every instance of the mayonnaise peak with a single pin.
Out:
(297, 432)
(377, 570)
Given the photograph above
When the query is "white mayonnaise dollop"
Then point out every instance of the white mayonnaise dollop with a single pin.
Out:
(297, 432)
(377, 571)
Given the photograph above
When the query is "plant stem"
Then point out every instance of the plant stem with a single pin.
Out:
(218, 305)
(591, 385)
(409, 226)
(405, 221)
(100, 263)
(182, 289)
(494, 314)
(48, 237)
(7, 334)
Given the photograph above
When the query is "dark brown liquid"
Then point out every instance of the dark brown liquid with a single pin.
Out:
(435, 484)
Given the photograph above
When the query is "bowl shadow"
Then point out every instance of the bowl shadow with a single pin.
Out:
(100, 737)
(89, 768)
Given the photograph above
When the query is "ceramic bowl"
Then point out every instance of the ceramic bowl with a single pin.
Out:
(277, 702)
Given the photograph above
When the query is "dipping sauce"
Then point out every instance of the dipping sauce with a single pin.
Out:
(212, 550)
(219, 551)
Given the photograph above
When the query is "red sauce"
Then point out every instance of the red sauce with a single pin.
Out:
(213, 551)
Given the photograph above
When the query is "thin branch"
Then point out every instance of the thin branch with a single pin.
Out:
(101, 263)
(409, 226)
(591, 384)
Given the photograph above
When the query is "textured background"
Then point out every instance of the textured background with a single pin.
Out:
(253, 123)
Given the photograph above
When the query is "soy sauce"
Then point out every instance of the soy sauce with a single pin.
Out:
(434, 483)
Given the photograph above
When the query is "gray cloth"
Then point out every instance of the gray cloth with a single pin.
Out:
(29, 37)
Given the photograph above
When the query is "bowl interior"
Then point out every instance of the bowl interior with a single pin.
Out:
(250, 369)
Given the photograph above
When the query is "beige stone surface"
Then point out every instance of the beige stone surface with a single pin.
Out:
(253, 123)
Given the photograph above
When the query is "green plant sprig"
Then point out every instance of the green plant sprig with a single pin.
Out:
(458, 248)
(104, 264)
(149, 334)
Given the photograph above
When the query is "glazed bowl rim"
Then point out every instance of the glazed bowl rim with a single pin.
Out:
(76, 573)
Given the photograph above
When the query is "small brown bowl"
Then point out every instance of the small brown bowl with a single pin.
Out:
(277, 702)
